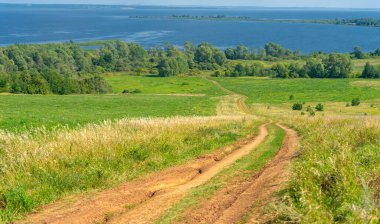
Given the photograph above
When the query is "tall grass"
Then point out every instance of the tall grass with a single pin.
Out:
(39, 167)
(336, 178)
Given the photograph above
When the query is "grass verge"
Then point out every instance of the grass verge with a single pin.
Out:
(35, 170)
(337, 177)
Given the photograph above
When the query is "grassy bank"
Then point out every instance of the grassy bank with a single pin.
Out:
(25, 112)
(337, 177)
(36, 170)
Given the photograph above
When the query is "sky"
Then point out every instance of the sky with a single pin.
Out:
(265, 3)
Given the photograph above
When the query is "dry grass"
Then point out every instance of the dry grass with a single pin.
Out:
(335, 178)
(39, 167)
(367, 83)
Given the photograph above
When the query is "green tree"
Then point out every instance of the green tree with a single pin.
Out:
(281, 70)
(358, 53)
(338, 66)
(370, 71)
(314, 68)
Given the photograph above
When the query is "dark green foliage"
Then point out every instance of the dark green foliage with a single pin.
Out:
(355, 102)
(331, 66)
(314, 68)
(136, 91)
(319, 107)
(358, 53)
(209, 57)
(171, 66)
(241, 52)
(371, 71)
(371, 22)
(51, 68)
(281, 70)
(277, 51)
(291, 97)
(297, 106)
(337, 66)
(68, 69)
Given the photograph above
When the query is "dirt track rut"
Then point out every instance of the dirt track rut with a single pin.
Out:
(143, 201)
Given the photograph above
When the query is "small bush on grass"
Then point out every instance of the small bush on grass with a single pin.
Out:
(297, 106)
(320, 107)
(355, 102)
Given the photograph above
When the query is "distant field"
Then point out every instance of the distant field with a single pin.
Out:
(158, 85)
(360, 63)
(276, 91)
(22, 112)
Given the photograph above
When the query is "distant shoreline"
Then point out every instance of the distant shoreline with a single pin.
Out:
(364, 22)
(196, 6)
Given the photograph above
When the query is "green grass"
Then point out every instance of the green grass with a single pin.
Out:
(243, 168)
(359, 64)
(336, 179)
(276, 91)
(24, 112)
(158, 85)
(38, 170)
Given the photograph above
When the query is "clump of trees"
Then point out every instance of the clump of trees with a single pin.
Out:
(322, 66)
(67, 68)
(50, 68)
(270, 52)
(371, 71)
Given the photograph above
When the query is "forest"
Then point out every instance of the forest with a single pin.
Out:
(68, 68)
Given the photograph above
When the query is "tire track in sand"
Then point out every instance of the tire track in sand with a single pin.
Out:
(143, 201)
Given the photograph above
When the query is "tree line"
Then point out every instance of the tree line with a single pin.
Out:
(67, 68)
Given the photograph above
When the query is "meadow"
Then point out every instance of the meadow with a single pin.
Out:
(36, 170)
(25, 112)
(80, 143)
(158, 85)
(278, 91)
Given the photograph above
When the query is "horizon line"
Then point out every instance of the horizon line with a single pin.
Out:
(202, 6)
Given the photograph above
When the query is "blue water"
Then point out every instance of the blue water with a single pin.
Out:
(44, 23)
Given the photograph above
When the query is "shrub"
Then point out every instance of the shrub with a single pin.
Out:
(291, 97)
(311, 113)
(136, 91)
(320, 107)
(125, 91)
(297, 106)
(355, 102)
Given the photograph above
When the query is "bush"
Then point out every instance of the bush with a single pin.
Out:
(319, 107)
(355, 102)
(136, 91)
(125, 91)
(297, 106)
(291, 97)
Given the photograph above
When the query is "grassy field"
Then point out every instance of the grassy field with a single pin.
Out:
(24, 112)
(36, 170)
(158, 85)
(277, 91)
(336, 176)
(360, 63)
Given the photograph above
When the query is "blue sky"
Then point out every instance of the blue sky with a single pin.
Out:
(268, 3)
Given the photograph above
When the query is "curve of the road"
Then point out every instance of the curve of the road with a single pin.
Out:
(143, 201)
